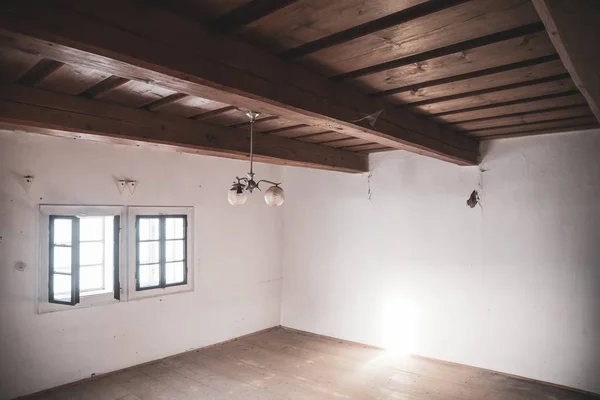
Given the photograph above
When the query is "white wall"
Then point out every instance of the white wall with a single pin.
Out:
(542, 259)
(237, 265)
(513, 286)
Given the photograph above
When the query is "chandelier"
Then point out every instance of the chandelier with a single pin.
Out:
(241, 190)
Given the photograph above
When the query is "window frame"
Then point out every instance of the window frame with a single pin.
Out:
(162, 241)
(74, 256)
(50, 212)
(135, 292)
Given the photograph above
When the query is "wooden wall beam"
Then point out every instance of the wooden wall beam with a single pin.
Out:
(77, 117)
(574, 29)
(122, 38)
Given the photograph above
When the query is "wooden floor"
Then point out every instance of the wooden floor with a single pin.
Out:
(283, 364)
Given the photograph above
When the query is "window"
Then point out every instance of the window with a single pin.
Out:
(92, 255)
(83, 257)
(161, 242)
(161, 253)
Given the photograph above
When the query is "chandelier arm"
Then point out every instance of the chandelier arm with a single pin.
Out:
(271, 182)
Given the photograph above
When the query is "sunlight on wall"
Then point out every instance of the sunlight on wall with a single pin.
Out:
(400, 325)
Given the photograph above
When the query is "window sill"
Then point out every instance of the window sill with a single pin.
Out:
(45, 307)
(158, 292)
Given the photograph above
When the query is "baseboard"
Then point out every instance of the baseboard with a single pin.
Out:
(104, 375)
(522, 378)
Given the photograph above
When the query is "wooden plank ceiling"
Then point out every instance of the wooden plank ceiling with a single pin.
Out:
(485, 68)
(334, 80)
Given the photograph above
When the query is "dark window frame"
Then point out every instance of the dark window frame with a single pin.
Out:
(75, 259)
(162, 244)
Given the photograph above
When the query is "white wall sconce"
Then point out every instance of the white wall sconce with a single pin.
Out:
(130, 184)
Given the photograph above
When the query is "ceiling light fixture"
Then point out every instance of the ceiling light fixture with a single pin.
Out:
(241, 190)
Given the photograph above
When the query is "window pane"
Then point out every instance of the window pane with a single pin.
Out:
(148, 275)
(174, 250)
(174, 273)
(91, 253)
(148, 252)
(62, 231)
(91, 228)
(91, 278)
(174, 228)
(62, 287)
(148, 228)
(62, 259)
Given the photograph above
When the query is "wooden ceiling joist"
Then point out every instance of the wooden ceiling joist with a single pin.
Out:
(569, 128)
(554, 103)
(537, 92)
(40, 71)
(77, 117)
(525, 118)
(573, 28)
(297, 131)
(508, 51)
(457, 48)
(213, 113)
(184, 57)
(449, 23)
(518, 85)
(417, 11)
(105, 87)
(165, 101)
(247, 13)
(539, 127)
(505, 72)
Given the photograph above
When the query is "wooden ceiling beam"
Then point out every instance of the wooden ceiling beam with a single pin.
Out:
(572, 100)
(444, 51)
(507, 103)
(469, 75)
(213, 113)
(489, 90)
(247, 14)
(526, 118)
(355, 32)
(77, 117)
(39, 71)
(165, 101)
(500, 115)
(572, 128)
(563, 125)
(121, 38)
(104, 87)
(573, 27)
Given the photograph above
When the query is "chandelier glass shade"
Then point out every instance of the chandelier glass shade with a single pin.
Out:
(243, 187)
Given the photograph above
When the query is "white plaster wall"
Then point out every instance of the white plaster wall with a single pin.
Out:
(513, 286)
(542, 259)
(237, 260)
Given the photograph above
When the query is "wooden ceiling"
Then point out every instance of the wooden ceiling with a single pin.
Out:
(334, 80)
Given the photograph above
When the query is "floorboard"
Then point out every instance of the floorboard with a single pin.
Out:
(285, 364)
